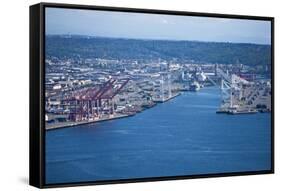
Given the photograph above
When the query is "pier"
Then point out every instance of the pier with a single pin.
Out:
(83, 122)
(115, 96)
(239, 96)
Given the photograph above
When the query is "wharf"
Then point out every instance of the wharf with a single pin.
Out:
(72, 123)
(236, 111)
(250, 111)
(166, 99)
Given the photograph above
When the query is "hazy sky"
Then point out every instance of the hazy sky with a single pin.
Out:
(155, 26)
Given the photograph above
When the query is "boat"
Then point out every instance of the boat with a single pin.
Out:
(195, 86)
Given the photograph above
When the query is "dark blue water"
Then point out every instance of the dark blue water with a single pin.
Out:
(181, 137)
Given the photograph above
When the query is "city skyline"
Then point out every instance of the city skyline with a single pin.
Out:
(158, 27)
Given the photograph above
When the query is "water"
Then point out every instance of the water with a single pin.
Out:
(181, 137)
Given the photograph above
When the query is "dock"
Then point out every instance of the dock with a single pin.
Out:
(237, 111)
(57, 125)
(166, 98)
(72, 123)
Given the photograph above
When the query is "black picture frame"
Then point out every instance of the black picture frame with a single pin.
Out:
(37, 96)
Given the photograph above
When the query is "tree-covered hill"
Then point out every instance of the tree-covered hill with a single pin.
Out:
(114, 48)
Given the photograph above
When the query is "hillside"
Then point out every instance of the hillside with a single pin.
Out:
(114, 48)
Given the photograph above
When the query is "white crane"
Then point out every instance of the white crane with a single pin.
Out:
(230, 84)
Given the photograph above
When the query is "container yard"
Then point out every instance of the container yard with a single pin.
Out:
(111, 89)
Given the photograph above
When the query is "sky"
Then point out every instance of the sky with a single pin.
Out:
(155, 26)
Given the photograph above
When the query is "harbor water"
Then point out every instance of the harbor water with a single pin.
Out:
(183, 136)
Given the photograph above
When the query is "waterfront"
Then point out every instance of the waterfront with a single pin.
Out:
(183, 136)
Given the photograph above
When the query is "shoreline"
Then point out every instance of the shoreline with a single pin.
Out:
(72, 124)
(168, 99)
